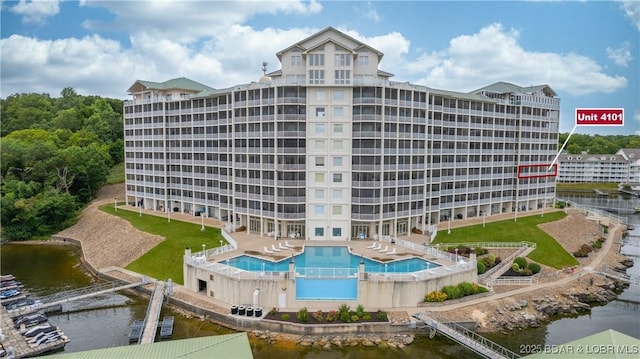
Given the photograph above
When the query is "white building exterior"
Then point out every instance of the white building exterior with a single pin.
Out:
(329, 148)
(621, 167)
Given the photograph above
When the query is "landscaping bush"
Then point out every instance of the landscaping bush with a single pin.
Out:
(534, 267)
(273, 311)
(466, 288)
(522, 262)
(366, 317)
(303, 315)
(284, 317)
(515, 267)
(382, 315)
(580, 254)
(360, 310)
(343, 312)
(586, 248)
(318, 316)
(332, 316)
(597, 244)
(355, 318)
(435, 296)
(452, 292)
(480, 251)
(481, 267)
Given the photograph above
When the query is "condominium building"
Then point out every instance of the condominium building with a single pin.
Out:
(329, 147)
(592, 168)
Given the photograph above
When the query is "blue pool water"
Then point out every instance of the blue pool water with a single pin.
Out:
(326, 289)
(336, 258)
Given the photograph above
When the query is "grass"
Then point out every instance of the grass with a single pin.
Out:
(165, 260)
(587, 187)
(548, 251)
(117, 174)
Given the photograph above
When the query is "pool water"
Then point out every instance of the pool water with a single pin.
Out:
(337, 258)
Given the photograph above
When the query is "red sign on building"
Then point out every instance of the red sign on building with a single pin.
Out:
(599, 117)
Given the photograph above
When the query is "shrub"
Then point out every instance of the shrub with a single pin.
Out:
(481, 267)
(452, 292)
(597, 244)
(284, 317)
(332, 316)
(466, 288)
(489, 260)
(561, 204)
(366, 317)
(526, 272)
(580, 254)
(515, 267)
(480, 251)
(360, 310)
(498, 260)
(586, 248)
(435, 296)
(522, 263)
(303, 315)
(382, 315)
(273, 311)
(534, 267)
(318, 316)
(355, 318)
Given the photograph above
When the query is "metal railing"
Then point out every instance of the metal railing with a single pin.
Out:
(594, 211)
(316, 272)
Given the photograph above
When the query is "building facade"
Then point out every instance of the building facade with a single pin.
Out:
(622, 167)
(329, 147)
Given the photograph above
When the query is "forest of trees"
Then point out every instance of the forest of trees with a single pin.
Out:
(55, 153)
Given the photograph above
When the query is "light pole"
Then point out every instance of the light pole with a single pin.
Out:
(115, 203)
(484, 218)
(449, 229)
(168, 215)
(139, 209)
(456, 255)
(204, 253)
(221, 246)
(202, 221)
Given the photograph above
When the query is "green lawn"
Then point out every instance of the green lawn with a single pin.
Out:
(548, 251)
(589, 187)
(117, 174)
(164, 261)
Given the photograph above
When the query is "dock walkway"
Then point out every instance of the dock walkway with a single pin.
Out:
(153, 314)
(477, 343)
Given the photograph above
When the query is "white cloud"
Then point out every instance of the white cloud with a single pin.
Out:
(620, 56)
(370, 12)
(632, 11)
(494, 54)
(36, 11)
(189, 21)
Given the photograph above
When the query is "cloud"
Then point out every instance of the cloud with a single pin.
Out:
(494, 54)
(36, 11)
(370, 13)
(632, 11)
(620, 56)
(189, 21)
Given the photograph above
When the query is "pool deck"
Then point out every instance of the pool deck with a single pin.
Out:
(254, 244)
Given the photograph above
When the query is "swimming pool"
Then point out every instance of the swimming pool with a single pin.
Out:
(330, 260)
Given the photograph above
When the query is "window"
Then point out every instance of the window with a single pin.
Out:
(341, 77)
(338, 128)
(338, 95)
(336, 232)
(318, 209)
(320, 112)
(319, 232)
(320, 161)
(320, 145)
(320, 95)
(316, 59)
(336, 210)
(296, 60)
(319, 193)
(338, 112)
(337, 178)
(319, 177)
(338, 144)
(316, 76)
(337, 194)
(337, 161)
(320, 128)
(363, 60)
(342, 60)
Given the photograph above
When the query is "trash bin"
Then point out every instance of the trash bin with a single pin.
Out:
(241, 310)
(249, 311)
(258, 312)
(234, 309)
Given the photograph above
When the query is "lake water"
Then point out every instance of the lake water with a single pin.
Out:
(45, 269)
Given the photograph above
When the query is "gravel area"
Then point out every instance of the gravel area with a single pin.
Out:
(108, 240)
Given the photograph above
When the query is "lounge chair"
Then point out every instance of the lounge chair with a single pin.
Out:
(282, 246)
(286, 243)
(377, 247)
(266, 250)
(386, 248)
(372, 246)
(393, 251)
(273, 248)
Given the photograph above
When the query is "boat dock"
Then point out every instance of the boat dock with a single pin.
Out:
(15, 342)
(166, 328)
(153, 315)
(470, 339)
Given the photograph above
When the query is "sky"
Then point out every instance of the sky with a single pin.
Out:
(586, 51)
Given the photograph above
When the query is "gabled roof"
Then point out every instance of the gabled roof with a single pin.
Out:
(180, 83)
(227, 346)
(506, 87)
(325, 30)
(631, 154)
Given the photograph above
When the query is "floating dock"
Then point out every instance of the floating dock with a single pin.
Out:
(136, 331)
(166, 328)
